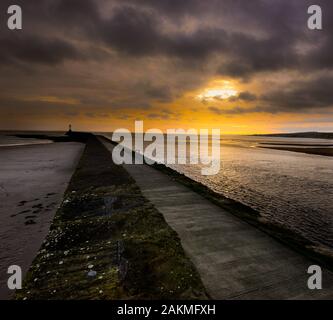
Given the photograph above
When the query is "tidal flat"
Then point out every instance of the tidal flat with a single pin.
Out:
(33, 179)
(328, 152)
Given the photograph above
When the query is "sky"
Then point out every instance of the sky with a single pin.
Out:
(241, 66)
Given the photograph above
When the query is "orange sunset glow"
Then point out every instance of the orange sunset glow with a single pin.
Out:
(218, 65)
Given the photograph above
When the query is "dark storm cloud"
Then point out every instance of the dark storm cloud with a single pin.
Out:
(302, 95)
(34, 49)
(179, 40)
(284, 22)
(174, 7)
(158, 93)
(248, 56)
(129, 29)
(237, 110)
(243, 96)
(41, 40)
(132, 29)
(137, 32)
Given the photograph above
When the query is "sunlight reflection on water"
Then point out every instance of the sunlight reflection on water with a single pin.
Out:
(291, 188)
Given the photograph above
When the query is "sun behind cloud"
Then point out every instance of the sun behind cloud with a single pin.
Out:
(218, 90)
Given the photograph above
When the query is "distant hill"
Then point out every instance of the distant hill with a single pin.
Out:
(313, 135)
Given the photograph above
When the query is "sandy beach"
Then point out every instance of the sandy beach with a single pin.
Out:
(33, 180)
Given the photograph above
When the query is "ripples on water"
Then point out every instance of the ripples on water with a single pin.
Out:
(290, 188)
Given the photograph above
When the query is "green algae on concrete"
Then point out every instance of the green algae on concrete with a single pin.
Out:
(108, 242)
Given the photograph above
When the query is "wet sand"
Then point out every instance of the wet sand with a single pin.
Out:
(33, 180)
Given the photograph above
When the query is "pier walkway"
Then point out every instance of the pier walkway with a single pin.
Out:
(234, 259)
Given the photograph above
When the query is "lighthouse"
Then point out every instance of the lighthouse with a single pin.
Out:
(69, 132)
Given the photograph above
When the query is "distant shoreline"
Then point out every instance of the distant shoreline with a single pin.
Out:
(295, 144)
(328, 152)
(310, 135)
(314, 148)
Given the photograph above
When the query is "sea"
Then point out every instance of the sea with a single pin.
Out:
(289, 188)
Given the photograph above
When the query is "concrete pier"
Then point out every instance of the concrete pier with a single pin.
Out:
(234, 259)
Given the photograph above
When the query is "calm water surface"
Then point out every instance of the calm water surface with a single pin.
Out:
(291, 188)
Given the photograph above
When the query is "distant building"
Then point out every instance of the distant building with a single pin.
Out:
(69, 130)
